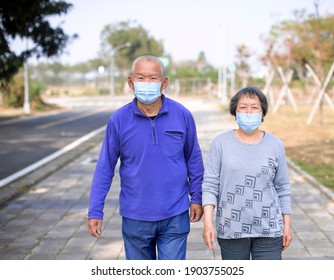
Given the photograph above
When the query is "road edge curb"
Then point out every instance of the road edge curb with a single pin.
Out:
(314, 182)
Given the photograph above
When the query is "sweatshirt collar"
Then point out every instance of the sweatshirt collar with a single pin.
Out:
(163, 109)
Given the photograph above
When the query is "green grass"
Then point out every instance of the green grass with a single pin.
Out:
(316, 159)
(311, 147)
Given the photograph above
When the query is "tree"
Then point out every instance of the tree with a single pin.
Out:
(202, 64)
(119, 33)
(28, 19)
(307, 39)
(242, 64)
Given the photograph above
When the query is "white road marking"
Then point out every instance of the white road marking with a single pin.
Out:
(49, 158)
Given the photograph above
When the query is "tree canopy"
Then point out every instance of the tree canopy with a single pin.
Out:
(28, 19)
(307, 39)
(120, 33)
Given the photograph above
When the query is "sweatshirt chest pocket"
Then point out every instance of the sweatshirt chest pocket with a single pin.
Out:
(174, 143)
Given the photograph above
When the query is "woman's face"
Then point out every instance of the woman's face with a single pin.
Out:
(249, 104)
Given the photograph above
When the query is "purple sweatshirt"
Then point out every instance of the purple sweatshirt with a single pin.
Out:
(161, 165)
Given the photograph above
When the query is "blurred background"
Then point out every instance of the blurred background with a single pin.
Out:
(57, 54)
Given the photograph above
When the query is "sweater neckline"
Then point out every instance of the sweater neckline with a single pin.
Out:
(248, 144)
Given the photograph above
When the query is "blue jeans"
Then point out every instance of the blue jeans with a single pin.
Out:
(257, 248)
(143, 240)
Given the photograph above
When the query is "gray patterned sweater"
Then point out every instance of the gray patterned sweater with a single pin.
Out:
(249, 186)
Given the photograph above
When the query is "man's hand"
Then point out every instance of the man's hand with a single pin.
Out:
(94, 227)
(196, 212)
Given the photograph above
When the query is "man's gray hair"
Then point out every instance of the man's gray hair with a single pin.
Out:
(148, 58)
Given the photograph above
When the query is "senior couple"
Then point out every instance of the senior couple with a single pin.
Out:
(165, 185)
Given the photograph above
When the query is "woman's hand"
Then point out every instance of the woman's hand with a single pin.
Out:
(209, 233)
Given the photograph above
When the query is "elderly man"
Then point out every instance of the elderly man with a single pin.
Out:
(161, 168)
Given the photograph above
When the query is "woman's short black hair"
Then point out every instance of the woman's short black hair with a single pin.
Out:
(249, 91)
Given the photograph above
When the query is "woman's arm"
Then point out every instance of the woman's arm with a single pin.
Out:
(287, 236)
(209, 235)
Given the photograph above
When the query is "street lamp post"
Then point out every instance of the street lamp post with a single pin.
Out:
(112, 65)
(26, 104)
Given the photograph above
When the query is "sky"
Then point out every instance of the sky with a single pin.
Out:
(186, 27)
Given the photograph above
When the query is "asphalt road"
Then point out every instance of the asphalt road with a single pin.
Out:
(27, 140)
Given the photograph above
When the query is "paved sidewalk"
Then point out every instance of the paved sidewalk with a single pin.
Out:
(49, 221)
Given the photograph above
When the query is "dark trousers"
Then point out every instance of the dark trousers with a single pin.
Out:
(257, 248)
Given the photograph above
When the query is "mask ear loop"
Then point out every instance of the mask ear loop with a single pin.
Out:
(162, 83)
(162, 90)
(133, 86)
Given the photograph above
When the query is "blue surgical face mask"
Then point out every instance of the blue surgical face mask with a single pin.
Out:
(147, 92)
(249, 122)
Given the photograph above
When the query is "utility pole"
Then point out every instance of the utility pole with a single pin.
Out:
(222, 71)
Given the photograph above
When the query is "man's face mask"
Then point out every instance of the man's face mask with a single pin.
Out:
(147, 92)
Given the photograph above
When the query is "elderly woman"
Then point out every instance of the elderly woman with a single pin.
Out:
(246, 179)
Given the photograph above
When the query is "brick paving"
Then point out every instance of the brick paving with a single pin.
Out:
(48, 221)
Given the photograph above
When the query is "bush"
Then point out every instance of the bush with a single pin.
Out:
(13, 93)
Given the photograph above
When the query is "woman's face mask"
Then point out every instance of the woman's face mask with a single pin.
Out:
(248, 122)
